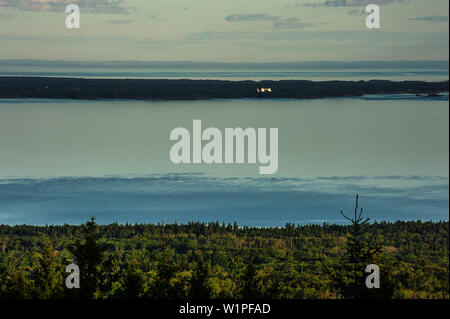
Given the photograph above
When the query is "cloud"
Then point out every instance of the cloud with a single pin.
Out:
(252, 17)
(278, 22)
(432, 19)
(93, 6)
(356, 12)
(354, 3)
(291, 24)
(345, 3)
(212, 35)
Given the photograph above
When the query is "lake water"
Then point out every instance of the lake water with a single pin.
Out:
(318, 71)
(64, 160)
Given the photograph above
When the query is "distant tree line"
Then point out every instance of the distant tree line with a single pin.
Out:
(141, 89)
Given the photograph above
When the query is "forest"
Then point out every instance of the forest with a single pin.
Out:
(226, 261)
(162, 89)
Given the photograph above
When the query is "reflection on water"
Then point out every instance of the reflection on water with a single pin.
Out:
(198, 197)
(394, 152)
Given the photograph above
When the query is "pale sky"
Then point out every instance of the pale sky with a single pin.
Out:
(224, 31)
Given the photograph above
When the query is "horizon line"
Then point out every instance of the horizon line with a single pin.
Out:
(221, 62)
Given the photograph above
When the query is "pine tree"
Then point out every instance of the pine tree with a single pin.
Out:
(350, 279)
(163, 287)
(249, 286)
(200, 288)
(88, 256)
(48, 279)
(166, 270)
(134, 280)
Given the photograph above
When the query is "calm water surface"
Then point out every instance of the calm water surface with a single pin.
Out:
(63, 161)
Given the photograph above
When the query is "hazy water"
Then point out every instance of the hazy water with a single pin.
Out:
(63, 161)
(318, 71)
(239, 74)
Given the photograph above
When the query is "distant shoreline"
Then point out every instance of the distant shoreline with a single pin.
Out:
(172, 89)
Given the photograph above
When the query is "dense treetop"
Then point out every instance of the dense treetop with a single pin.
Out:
(216, 260)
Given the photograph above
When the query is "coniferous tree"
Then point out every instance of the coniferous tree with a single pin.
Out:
(350, 279)
(88, 256)
(134, 280)
(249, 282)
(48, 278)
(163, 287)
(199, 283)
(18, 285)
(3, 281)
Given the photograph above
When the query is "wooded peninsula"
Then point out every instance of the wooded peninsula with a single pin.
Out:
(162, 89)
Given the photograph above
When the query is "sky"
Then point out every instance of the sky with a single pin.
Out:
(224, 31)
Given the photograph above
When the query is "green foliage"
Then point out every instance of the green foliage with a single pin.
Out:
(48, 281)
(250, 283)
(88, 256)
(360, 252)
(199, 260)
(133, 280)
(200, 288)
